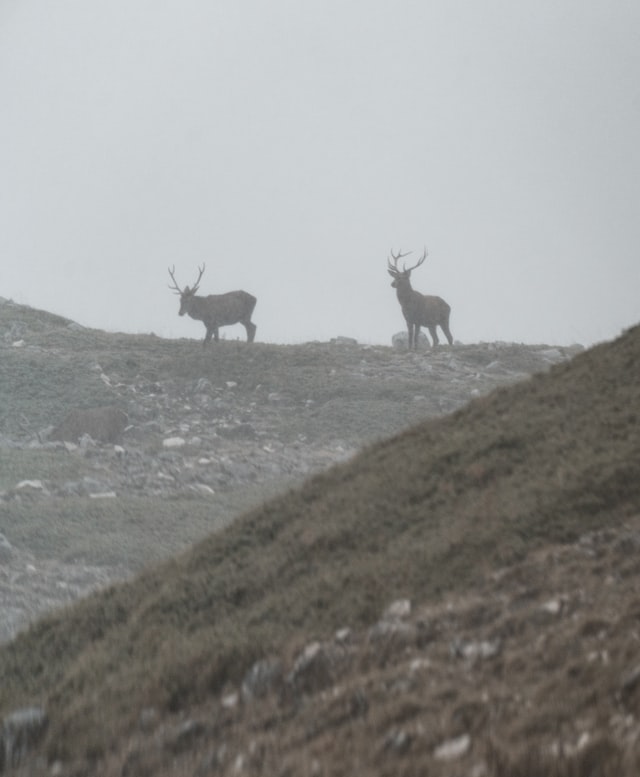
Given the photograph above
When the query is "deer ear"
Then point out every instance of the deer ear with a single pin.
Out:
(391, 273)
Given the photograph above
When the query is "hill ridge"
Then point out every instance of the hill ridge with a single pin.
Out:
(429, 513)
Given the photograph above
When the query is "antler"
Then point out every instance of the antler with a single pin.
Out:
(194, 288)
(420, 261)
(175, 286)
(396, 257)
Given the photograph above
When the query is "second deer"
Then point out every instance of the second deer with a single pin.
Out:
(418, 309)
(216, 310)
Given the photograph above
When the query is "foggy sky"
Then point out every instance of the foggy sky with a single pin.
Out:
(290, 145)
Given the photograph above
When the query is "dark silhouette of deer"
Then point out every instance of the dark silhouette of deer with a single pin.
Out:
(216, 310)
(418, 309)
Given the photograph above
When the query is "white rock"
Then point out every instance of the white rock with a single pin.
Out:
(552, 355)
(553, 606)
(453, 748)
(230, 701)
(173, 442)
(203, 489)
(343, 635)
(35, 484)
(401, 608)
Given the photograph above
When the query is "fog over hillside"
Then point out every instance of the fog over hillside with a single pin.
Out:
(450, 588)
(291, 146)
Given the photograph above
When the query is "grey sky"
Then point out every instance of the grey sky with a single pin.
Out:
(291, 144)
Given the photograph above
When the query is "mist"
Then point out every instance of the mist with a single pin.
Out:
(291, 146)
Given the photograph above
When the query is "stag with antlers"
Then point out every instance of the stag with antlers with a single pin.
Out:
(216, 310)
(418, 309)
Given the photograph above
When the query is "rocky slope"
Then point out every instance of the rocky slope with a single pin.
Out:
(229, 430)
(458, 598)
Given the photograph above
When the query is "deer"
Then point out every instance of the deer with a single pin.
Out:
(418, 309)
(216, 310)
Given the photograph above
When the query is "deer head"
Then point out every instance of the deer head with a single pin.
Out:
(402, 276)
(186, 294)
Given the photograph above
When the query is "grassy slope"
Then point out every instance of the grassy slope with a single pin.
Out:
(416, 515)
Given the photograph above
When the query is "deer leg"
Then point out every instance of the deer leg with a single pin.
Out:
(434, 335)
(447, 333)
(409, 334)
(251, 331)
(216, 333)
(207, 337)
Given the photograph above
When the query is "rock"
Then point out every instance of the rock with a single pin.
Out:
(21, 732)
(553, 607)
(475, 650)
(341, 340)
(30, 485)
(262, 678)
(184, 736)
(401, 608)
(452, 749)
(104, 424)
(203, 386)
(398, 741)
(173, 442)
(400, 341)
(313, 668)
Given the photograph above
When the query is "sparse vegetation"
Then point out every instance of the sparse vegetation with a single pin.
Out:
(461, 515)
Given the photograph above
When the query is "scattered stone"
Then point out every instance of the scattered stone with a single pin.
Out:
(400, 341)
(184, 736)
(21, 731)
(553, 606)
(343, 636)
(230, 701)
(475, 650)
(30, 485)
(452, 749)
(398, 609)
(104, 424)
(313, 668)
(173, 442)
(398, 741)
(203, 488)
(341, 340)
(263, 677)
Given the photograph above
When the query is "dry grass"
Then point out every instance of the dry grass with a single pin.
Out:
(425, 514)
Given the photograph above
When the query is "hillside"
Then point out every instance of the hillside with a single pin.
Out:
(460, 597)
(210, 434)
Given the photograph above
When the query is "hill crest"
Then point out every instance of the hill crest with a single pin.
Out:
(494, 499)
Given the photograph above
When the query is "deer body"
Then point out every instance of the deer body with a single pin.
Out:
(216, 310)
(419, 309)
